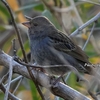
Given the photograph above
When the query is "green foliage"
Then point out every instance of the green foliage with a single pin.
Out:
(7, 46)
(34, 91)
(90, 50)
(4, 11)
(72, 80)
(39, 7)
(84, 10)
(1, 96)
(26, 47)
(2, 28)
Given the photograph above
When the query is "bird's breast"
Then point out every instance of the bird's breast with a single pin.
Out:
(39, 49)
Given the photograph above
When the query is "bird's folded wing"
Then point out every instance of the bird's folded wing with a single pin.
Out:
(63, 43)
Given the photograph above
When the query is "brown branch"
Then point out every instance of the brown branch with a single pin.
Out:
(58, 89)
(22, 48)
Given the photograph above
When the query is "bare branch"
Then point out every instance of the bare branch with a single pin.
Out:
(58, 89)
(18, 85)
(68, 66)
(88, 37)
(22, 48)
(76, 12)
(16, 79)
(9, 80)
(62, 10)
(15, 26)
(88, 1)
(11, 96)
(2, 87)
(77, 31)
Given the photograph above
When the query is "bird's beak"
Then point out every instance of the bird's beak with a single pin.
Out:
(27, 24)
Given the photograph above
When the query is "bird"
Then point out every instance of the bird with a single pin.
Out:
(50, 46)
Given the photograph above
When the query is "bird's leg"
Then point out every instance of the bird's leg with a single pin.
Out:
(58, 78)
(63, 80)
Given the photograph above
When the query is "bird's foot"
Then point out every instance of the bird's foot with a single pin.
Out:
(54, 80)
(58, 79)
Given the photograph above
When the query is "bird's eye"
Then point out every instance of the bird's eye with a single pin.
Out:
(35, 24)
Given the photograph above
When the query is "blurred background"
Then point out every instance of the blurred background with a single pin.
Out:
(67, 16)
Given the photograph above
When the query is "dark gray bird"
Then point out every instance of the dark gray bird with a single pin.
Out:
(49, 46)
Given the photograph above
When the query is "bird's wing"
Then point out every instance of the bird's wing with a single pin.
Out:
(63, 43)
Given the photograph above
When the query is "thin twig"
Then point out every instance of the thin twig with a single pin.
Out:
(14, 47)
(2, 87)
(76, 12)
(67, 77)
(22, 48)
(70, 68)
(4, 78)
(95, 29)
(9, 80)
(18, 85)
(88, 37)
(88, 1)
(51, 9)
(76, 32)
(11, 96)
(16, 79)
(39, 66)
(17, 31)
(63, 10)
(14, 53)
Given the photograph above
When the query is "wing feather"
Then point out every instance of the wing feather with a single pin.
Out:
(63, 43)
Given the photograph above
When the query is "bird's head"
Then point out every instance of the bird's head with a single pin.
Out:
(38, 24)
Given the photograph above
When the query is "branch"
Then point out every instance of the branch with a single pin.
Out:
(95, 18)
(18, 84)
(88, 37)
(2, 87)
(15, 26)
(16, 79)
(58, 89)
(62, 10)
(9, 79)
(22, 48)
(88, 1)
(11, 96)
(72, 3)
